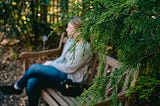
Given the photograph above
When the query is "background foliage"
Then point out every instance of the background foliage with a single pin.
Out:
(132, 29)
(15, 21)
(25, 20)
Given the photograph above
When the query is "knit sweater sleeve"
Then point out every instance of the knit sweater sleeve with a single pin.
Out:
(73, 60)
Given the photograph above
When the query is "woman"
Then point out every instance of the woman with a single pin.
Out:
(67, 67)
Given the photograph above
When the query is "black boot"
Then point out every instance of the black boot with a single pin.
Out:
(9, 90)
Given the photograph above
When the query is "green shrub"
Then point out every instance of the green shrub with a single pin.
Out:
(132, 29)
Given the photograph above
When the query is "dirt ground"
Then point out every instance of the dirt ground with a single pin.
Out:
(10, 71)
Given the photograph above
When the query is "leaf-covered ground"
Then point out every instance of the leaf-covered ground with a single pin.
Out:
(10, 71)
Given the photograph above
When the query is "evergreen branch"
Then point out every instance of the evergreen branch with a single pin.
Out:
(108, 90)
(146, 56)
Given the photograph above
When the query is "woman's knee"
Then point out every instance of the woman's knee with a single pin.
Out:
(34, 66)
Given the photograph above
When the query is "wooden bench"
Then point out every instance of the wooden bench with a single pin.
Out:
(55, 98)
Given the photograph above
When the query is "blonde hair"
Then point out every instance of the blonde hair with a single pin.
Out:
(76, 22)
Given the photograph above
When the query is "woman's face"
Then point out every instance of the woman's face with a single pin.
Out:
(70, 30)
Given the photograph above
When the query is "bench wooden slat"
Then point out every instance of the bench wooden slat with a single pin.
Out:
(69, 100)
(112, 62)
(126, 81)
(135, 75)
(57, 97)
(48, 98)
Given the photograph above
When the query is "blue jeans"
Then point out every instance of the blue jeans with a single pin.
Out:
(38, 77)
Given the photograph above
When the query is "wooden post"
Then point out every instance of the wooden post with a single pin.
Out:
(25, 64)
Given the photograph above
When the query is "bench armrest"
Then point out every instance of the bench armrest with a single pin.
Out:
(27, 55)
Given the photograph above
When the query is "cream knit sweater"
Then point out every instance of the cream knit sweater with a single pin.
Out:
(73, 60)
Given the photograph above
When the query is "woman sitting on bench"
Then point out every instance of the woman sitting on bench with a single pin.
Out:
(67, 67)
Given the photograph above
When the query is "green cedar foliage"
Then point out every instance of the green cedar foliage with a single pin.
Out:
(132, 29)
